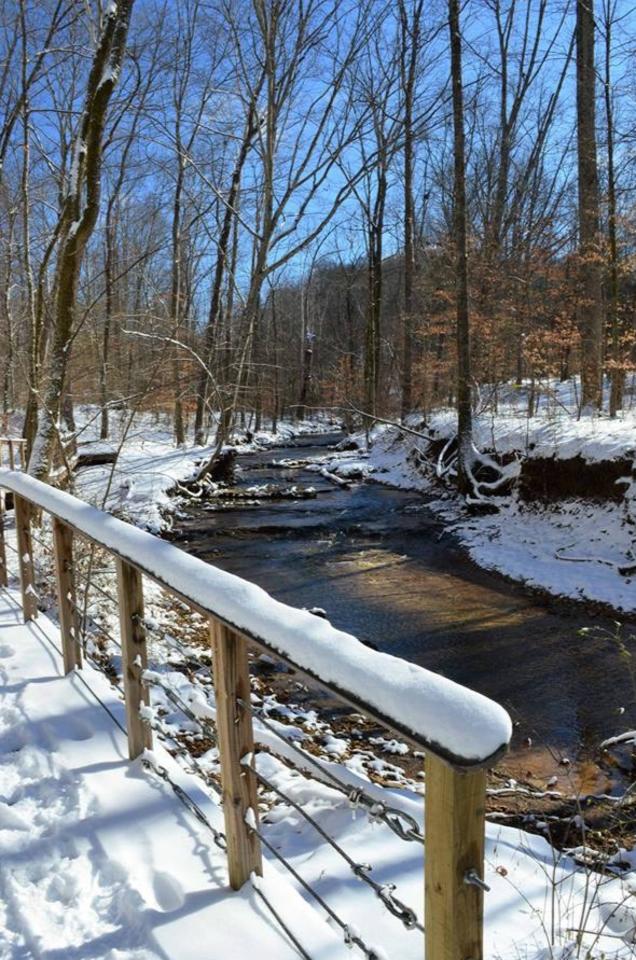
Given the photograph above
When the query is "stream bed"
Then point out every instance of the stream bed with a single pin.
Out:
(378, 562)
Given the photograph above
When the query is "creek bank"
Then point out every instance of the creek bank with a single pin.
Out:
(568, 526)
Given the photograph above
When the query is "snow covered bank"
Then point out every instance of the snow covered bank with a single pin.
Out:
(149, 466)
(581, 547)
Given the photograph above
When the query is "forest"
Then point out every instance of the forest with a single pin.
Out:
(239, 211)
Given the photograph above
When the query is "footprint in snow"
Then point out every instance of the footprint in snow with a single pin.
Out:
(6, 651)
(10, 820)
(619, 919)
(75, 729)
(56, 732)
(168, 892)
(13, 731)
(13, 739)
(63, 887)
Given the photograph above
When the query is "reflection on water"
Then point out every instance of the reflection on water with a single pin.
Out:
(372, 557)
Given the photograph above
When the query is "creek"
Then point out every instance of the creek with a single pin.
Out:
(378, 562)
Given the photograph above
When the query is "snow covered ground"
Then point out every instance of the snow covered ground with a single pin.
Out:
(573, 548)
(98, 857)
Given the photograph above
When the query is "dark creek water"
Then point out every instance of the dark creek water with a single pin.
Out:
(371, 557)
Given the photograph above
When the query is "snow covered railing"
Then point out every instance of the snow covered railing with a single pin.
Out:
(12, 454)
(461, 731)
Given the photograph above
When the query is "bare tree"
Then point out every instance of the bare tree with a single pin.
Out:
(32, 68)
(409, 55)
(590, 253)
(378, 87)
(286, 43)
(464, 405)
(223, 245)
(77, 219)
(617, 375)
(129, 115)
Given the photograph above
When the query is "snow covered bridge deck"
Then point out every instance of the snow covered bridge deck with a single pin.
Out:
(98, 857)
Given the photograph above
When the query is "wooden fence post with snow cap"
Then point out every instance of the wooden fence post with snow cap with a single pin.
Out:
(235, 742)
(22, 509)
(4, 576)
(133, 656)
(69, 621)
(454, 862)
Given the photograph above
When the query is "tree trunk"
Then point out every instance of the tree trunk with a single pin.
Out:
(375, 292)
(306, 380)
(106, 331)
(214, 315)
(617, 374)
(176, 293)
(8, 396)
(464, 408)
(409, 53)
(590, 270)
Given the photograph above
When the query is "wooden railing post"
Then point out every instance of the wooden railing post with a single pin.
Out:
(134, 656)
(454, 832)
(4, 574)
(69, 621)
(236, 741)
(22, 510)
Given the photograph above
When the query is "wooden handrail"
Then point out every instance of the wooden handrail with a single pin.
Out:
(240, 611)
(461, 727)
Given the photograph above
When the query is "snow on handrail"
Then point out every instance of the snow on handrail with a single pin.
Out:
(456, 724)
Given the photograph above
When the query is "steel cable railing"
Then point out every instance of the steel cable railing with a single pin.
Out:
(385, 892)
(377, 811)
(402, 824)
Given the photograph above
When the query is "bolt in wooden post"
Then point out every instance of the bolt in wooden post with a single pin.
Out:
(22, 510)
(69, 621)
(134, 656)
(454, 831)
(235, 741)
